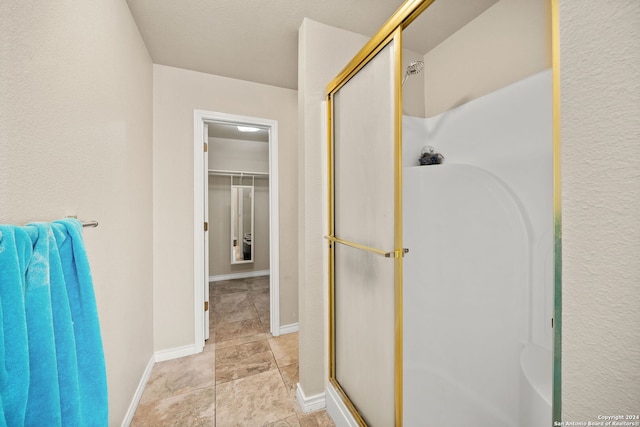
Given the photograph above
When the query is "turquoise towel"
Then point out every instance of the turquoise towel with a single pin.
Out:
(15, 254)
(44, 268)
(91, 365)
(43, 404)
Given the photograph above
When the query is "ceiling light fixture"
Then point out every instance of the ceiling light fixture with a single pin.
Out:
(248, 129)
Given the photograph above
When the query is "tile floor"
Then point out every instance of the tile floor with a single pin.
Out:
(244, 377)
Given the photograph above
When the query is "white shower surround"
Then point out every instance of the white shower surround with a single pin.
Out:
(478, 281)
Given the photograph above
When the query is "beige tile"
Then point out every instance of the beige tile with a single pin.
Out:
(287, 422)
(236, 316)
(290, 376)
(177, 376)
(260, 299)
(263, 307)
(243, 360)
(242, 340)
(257, 374)
(266, 323)
(242, 328)
(264, 313)
(253, 401)
(212, 328)
(210, 344)
(263, 310)
(228, 286)
(316, 419)
(194, 409)
(258, 289)
(285, 349)
(258, 283)
(231, 301)
(233, 307)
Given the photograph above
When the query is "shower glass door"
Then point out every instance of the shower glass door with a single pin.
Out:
(364, 263)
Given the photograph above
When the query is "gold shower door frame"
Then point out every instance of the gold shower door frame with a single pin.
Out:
(394, 254)
(391, 31)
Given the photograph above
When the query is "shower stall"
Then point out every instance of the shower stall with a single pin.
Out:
(442, 276)
(480, 230)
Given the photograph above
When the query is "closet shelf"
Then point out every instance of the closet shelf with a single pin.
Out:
(221, 172)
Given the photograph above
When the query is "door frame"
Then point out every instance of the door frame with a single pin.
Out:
(200, 238)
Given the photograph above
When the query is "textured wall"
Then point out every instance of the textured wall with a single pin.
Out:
(176, 93)
(323, 52)
(75, 138)
(600, 129)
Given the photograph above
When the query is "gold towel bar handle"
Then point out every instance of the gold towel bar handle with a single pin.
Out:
(393, 254)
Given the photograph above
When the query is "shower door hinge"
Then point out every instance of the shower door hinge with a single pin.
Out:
(206, 306)
(205, 147)
(206, 226)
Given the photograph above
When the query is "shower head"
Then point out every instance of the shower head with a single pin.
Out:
(412, 69)
(415, 67)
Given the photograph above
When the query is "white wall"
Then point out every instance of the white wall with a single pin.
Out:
(176, 93)
(75, 138)
(238, 155)
(509, 41)
(322, 53)
(600, 126)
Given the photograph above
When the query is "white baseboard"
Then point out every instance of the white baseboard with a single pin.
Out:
(174, 353)
(158, 356)
(289, 329)
(240, 275)
(310, 403)
(337, 410)
(131, 411)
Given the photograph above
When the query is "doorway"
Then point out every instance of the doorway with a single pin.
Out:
(202, 121)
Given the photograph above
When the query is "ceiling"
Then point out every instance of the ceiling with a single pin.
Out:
(231, 131)
(257, 40)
